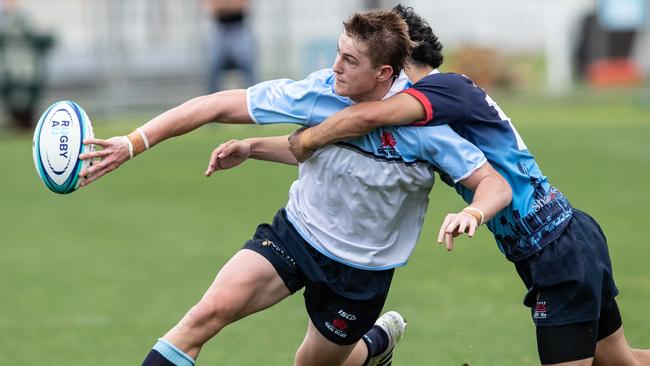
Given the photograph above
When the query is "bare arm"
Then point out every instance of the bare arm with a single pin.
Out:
(234, 152)
(358, 120)
(492, 193)
(226, 107)
(272, 149)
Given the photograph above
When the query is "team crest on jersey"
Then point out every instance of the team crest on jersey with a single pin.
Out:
(388, 144)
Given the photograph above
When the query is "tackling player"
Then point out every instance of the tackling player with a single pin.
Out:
(559, 252)
(345, 227)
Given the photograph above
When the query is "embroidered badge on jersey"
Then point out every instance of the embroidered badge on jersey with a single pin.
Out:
(387, 147)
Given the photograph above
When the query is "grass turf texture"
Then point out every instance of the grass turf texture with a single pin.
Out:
(93, 278)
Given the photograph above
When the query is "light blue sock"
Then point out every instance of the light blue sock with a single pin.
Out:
(173, 354)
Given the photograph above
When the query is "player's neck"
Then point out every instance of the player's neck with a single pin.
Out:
(415, 73)
(377, 93)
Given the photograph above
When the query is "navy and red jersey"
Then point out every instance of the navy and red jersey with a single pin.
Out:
(538, 212)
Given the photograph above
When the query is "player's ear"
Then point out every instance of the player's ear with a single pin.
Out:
(385, 73)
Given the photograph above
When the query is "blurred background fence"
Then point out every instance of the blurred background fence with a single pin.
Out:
(113, 55)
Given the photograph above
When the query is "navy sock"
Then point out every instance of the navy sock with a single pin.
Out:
(376, 340)
(166, 354)
(154, 358)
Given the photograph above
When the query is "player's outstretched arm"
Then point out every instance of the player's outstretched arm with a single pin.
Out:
(358, 120)
(234, 152)
(492, 193)
(228, 106)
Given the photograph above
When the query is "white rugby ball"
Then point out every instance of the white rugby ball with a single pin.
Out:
(57, 144)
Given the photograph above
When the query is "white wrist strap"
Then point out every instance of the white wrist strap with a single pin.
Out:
(144, 138)
(130, 147)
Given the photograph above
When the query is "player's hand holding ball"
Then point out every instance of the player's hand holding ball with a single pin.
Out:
(114, 152)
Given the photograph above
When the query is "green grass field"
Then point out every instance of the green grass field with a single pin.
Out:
(93, 278)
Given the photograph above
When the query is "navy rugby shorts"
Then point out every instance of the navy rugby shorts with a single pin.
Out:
(343, 302)
(570, 280)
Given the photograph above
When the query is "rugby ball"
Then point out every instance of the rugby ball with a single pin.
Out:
(57, 144)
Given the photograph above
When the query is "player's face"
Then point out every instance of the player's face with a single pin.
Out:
(356, 78)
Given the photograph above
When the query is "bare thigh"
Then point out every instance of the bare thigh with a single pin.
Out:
(614, 350)
(246, 284)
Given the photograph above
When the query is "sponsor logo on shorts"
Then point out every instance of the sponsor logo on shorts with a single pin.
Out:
(338, 326)
(346, 315)
(280, 252)
(541, 310)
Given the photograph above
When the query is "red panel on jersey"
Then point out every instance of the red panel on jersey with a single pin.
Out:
(425, 103)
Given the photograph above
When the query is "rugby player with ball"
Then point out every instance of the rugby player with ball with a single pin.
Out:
(340, 244)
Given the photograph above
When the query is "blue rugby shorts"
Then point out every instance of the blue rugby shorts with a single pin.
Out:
(570, 280)
(343, 302)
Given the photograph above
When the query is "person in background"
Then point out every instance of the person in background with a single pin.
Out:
(234, 47)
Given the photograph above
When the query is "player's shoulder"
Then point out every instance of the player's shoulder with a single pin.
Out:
(318, 83)
(321, 78)
(449, 79)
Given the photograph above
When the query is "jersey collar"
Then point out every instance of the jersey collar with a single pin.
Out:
(402, 82)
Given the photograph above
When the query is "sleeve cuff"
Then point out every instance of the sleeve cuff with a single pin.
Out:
(425, 103)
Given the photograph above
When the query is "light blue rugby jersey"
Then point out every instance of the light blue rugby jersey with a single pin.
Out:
(310, 101)
(361, 202)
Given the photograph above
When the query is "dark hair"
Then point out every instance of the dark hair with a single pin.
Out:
(385, 34)
(427, 50)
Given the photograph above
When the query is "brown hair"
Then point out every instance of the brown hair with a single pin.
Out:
(385, 34)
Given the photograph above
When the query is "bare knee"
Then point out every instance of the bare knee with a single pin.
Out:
(320, 352)
(298, 359)
(615, 350)
(307, 358)
(209, 316)
(303, 356)
(200, 324)
(641, 356)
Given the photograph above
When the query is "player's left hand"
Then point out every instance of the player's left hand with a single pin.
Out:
(297, 147)
(228, 155)
(455, 225)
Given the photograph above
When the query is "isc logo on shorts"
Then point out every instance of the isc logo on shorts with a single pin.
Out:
(347, 316)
